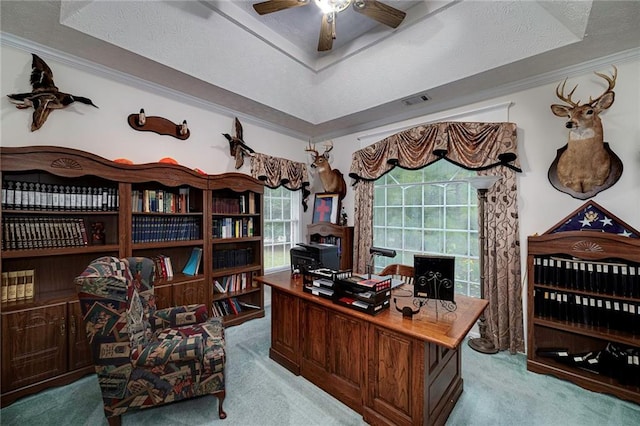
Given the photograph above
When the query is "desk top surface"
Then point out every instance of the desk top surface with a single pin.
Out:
(444, 328)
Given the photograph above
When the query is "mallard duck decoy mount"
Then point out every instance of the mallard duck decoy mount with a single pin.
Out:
(45, 95)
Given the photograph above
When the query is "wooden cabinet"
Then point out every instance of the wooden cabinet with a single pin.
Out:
(584, 304)
(237, 250)
(329, 233)
(42, 347)
(69, 207)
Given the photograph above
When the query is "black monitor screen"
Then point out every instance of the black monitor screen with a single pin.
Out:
(434, 277)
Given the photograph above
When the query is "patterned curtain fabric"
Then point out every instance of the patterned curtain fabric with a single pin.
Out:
(275, 172)
(490, 148)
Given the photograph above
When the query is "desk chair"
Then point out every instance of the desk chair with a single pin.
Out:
(402, 272)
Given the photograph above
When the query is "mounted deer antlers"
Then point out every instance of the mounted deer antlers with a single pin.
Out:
(585, 165)
(332, 179)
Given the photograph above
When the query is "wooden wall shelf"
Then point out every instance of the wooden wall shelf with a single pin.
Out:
(159, 125)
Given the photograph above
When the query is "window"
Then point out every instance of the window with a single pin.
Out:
(281, 226)
(429, 211)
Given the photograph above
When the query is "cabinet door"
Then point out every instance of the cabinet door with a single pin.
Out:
(34, 345)
(396, 373)
(79, 350)
(285, 330)
(347, 348)
(163, 295)
(189, 293)
(315, 353)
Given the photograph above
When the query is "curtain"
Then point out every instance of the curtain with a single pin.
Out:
(489, 148)
(275, 172)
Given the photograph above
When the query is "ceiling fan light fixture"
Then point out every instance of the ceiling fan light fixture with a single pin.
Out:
(332, 6)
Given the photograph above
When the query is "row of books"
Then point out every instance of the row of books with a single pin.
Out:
(612, 278)
(164, 267)
(40, 196)
(18, 285)
(231, 306)
(231, 283)
(148, 229)
(232, 257)
(243, 204)
(620, 362)
(588, 310)
(24, 233)
(160, 201)
(232, 227)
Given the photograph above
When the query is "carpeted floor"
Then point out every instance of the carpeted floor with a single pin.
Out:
(498, 390)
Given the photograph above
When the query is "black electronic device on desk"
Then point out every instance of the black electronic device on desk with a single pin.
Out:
(314, 256)
(369, 295)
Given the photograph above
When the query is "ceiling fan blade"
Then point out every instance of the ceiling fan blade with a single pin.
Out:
(277, 5)
(382, 13)
(325, 42)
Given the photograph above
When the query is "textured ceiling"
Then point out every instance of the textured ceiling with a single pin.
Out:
(266, 68)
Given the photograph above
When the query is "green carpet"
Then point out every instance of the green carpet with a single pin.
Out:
(498, 390)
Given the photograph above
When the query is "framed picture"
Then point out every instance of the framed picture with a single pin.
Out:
(326, 207)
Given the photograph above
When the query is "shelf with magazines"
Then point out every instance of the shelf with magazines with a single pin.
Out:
(236, 248)
(584, 303)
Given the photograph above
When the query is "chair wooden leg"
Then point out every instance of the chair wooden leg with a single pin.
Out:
(115, 420)
(220, 395)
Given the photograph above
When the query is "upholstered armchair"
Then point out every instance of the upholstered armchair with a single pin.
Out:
(145, 356)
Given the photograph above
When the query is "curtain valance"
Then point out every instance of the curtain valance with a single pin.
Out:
(475, 146)
(275, 172)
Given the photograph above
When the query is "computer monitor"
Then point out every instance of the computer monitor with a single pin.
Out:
(434, 277)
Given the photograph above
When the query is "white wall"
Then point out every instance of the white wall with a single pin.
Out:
(105, 131)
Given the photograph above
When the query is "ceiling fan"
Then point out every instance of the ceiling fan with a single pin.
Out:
(373, 9)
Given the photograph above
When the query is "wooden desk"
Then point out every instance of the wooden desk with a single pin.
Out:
(391, 369)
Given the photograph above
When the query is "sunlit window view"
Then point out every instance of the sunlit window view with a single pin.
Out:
(429, 211)
(281, 223)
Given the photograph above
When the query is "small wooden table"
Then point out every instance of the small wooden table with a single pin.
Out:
(393, 370)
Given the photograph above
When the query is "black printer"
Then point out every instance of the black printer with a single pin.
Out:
(315, 255)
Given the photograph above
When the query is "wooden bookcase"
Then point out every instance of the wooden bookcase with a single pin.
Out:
(43, 338)
(237, 247)
(580, 283)
(330, 233)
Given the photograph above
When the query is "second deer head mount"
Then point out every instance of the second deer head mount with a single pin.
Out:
(332, 179)
(586, 165)
(159, 125)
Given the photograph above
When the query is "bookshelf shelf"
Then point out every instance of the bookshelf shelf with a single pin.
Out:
(127, 200)
(584, 309)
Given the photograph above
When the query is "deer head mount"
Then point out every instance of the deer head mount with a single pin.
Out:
(332, 179)
(586, 165)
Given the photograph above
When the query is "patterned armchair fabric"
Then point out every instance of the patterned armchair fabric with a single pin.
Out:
(146, 356)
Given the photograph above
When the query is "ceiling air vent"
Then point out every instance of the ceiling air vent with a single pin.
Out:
(418, 99)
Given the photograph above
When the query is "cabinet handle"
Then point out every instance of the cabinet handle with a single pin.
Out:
(63, 327)
(72, 325)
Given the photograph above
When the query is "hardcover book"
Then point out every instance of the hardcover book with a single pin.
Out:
(193, 264)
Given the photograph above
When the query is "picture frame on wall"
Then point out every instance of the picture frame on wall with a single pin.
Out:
(326, 207)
